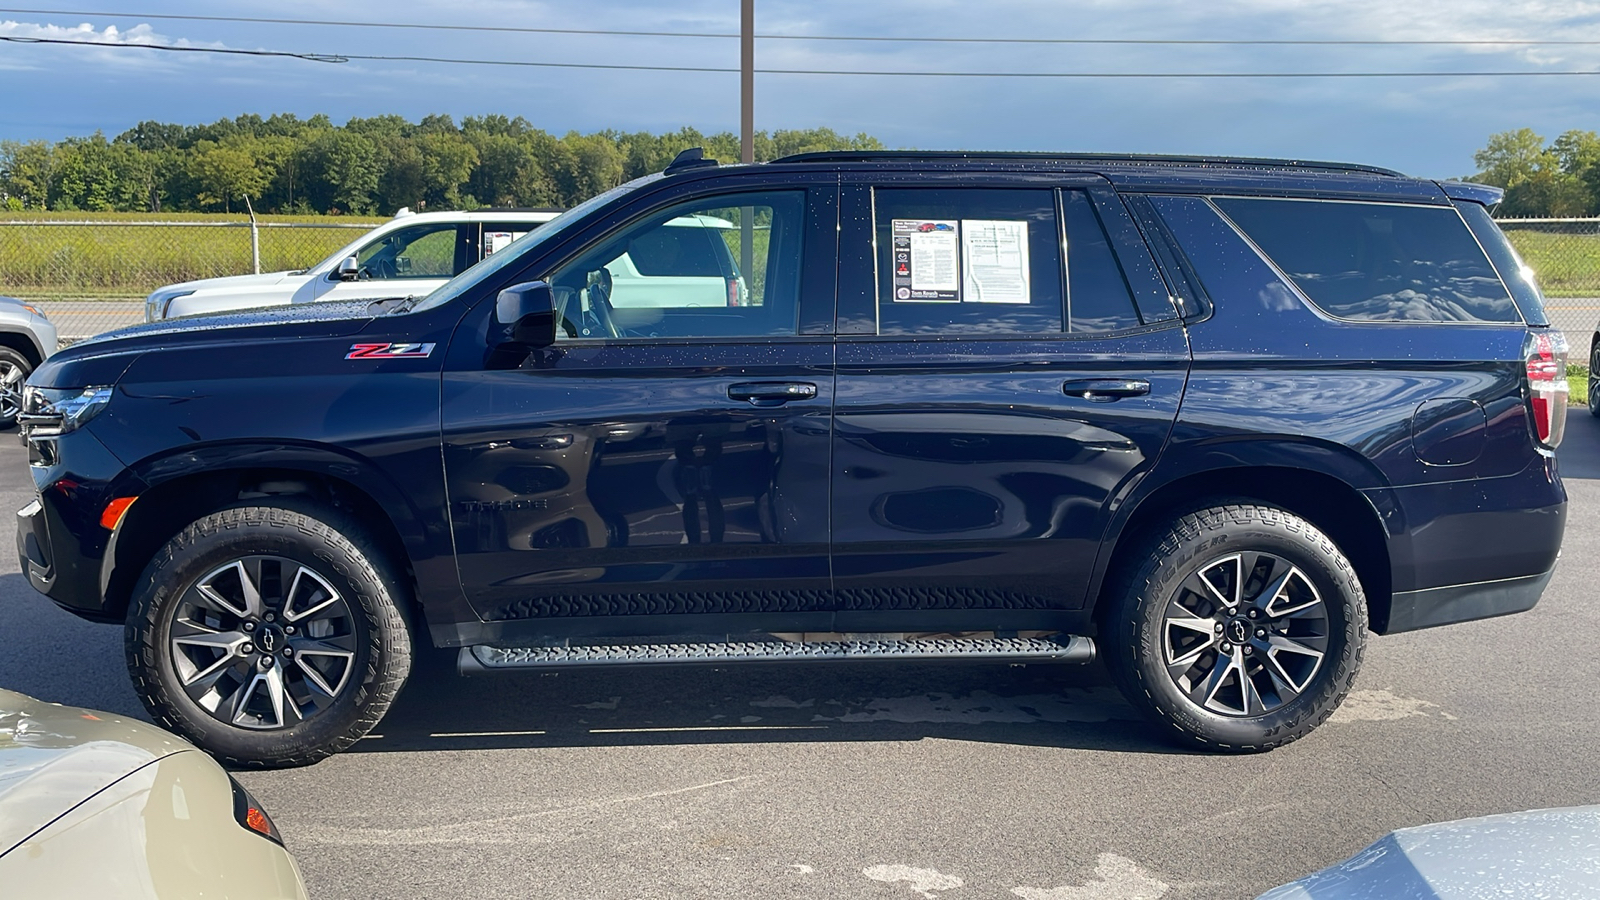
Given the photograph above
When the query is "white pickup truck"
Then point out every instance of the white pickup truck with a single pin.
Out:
(413, 253)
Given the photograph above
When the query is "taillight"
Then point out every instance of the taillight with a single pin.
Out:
(1545, 355)
(733, 292)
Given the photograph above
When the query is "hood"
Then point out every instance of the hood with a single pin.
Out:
(103, 358)
(235, 282)
(54, 757)
(1544, 853)
(324, 318)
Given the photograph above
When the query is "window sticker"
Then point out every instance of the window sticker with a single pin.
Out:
(994, 261)
(495, 241)
(926, 261)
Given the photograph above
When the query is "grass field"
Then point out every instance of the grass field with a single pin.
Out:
(1568, 265)
(43, 258)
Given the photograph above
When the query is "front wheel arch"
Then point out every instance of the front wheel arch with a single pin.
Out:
(164, 510)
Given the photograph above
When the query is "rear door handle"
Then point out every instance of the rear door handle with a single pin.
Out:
(771, 393)
(1106, 390)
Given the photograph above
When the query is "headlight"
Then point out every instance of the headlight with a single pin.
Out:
(155, 306)
(47, 412)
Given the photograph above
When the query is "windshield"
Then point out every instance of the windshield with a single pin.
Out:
(524, 245)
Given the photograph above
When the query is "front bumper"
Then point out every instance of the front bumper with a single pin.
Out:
(61, 545)
(72, 580)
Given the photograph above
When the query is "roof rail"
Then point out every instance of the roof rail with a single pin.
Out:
(692, 158)
(1094, 158)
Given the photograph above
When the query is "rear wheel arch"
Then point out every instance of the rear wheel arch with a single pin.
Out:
(1340, 510)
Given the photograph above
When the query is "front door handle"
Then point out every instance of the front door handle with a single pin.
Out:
(771, 393)
(1106, 390)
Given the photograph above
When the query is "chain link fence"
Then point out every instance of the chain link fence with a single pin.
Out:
(1565, 255)
(92, 276)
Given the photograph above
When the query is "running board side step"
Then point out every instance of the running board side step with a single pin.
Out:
(1054, 649)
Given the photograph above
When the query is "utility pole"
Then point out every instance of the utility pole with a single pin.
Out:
(747, 81)
(747, 135)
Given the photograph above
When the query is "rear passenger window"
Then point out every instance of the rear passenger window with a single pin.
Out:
(1377, 261)
(957, 261)
(981, 262)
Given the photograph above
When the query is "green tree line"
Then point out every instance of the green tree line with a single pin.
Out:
(1559, 179)
(285, 164)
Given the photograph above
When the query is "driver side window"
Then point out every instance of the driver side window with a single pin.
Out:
(421, 251)
(727, 266)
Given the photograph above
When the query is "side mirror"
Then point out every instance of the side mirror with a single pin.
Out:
(349, 269)
(527, 314)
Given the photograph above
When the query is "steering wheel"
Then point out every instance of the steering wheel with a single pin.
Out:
(600, 301)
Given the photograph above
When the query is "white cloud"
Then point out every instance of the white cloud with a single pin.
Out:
(85, 33)
(105, 51)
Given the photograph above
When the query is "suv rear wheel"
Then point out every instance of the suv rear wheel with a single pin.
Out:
(1239, 628)
(270, 635)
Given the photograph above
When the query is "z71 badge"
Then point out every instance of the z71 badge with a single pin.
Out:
(388, 351)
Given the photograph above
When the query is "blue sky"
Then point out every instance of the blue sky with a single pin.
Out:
(1425, 126)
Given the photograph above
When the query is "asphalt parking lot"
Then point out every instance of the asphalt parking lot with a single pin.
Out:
(859, 780)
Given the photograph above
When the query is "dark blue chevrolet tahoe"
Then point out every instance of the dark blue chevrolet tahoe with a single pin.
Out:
(1214, 419)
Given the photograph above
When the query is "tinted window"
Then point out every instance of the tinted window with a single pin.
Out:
(678, 272)
(956, 261)
(1377, 261)
(1513, 271)
(1098, 298)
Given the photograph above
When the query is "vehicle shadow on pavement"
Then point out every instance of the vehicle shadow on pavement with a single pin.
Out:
(1035, 705)
(1579, 455)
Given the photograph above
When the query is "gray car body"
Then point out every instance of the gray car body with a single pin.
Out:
(20, 323)
(1552, 853)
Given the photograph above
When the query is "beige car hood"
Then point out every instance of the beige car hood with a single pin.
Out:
(54, 757)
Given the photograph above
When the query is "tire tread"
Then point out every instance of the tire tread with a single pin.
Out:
(387, 666)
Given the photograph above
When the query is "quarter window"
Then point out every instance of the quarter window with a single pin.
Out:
(723, 267)
(1098, 298)
(1377, 261)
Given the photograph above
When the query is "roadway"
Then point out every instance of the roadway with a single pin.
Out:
(896, 781)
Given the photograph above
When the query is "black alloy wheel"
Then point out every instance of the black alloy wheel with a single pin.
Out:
(269, 635)
(1237, 628)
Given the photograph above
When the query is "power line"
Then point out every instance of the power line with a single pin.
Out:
(348, 57)
(313, 57)
(510, 29)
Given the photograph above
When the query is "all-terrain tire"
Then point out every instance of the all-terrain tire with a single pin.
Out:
(1137, 643)
(333, 546)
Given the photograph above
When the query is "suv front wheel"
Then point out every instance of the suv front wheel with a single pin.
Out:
(269, 635)
(1239, 628)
